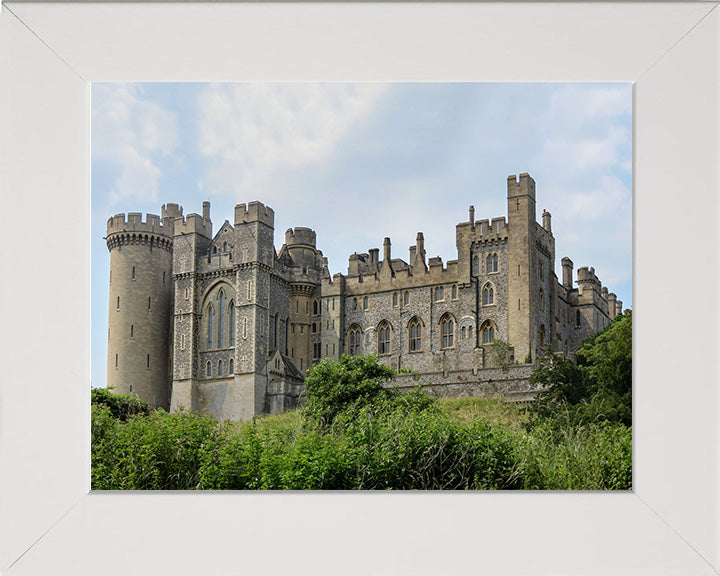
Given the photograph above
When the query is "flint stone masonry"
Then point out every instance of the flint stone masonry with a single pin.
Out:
(232, 297)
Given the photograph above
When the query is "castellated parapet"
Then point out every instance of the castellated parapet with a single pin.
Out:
(222, 322)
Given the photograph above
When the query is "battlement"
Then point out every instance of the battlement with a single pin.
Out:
(134, 223)
(299, 236)
(586, 274)
(254, 212)
(193, 224)
(523, 185)
(171, 211)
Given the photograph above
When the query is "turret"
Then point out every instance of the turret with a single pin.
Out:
(521, 245)
(546, 221)
(300, 244)
(140, 301)
(567, 272)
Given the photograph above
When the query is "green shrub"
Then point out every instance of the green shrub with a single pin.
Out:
(121, 406)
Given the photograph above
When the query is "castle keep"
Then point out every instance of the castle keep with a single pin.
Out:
(225, 324)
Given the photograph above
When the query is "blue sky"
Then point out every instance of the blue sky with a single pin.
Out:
(358, 162)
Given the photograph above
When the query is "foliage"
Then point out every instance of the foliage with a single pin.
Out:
(121, 406)
(359, 436)
(342, 389)
(596, 389)
(501, 354)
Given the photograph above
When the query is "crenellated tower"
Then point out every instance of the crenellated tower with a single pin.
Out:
(140, 306)
(521, 265)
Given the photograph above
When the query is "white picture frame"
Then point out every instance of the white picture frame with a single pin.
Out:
(50, 523)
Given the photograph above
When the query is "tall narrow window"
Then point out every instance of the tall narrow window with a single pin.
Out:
(132, 330)
(488, 295)
(315, 307)
(454, 292)
(365, 303)
(147, 363)
(447, 330)
(395, 299)
(415, 335)
(244, 327)
(224, 246)
(406, 297)
(116, 360)
(488, 332)
(149, 302)
(221, 317)
(163, 278)
(384, 333)
(314, 327)
(210, 326)
(301, 364)
(354, 341)
(439, 294)
(492, 263)
(208, 369)
(232, 367)
(220, 368)
(249, 290)
(354, 304)
(133, 273)
(187, 293)
(476, 265)
(118, 302)
(232, 323)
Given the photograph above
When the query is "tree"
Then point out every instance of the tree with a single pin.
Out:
(352, 384)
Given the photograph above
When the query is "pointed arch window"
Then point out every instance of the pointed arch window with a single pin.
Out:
(211, 313)
(447, 331)
(384, 338)
(492, 263)
(487, 331)
(232, 323)
(221, 317)
(415, 335)
(488, 294)
(232, 367)
(220, 368)
(354, 340)
(208, 369)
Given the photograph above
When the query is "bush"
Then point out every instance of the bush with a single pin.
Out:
(121, 406)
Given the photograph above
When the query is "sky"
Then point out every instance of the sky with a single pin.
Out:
(359, 162)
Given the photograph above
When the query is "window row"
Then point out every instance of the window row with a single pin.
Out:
(220, 369)
(149, 303)
(491, 264)
(415, 335)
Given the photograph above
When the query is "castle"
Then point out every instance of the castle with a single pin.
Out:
(226, 325)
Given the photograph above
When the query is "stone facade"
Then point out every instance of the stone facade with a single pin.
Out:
(225, 324)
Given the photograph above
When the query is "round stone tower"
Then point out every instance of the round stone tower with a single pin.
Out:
(140, 306)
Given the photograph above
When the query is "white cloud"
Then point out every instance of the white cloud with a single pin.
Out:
(131, 135)
(247, 132)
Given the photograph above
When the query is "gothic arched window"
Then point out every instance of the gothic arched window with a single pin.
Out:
(208, 370)
(232, 323)
(211, 313)
(354, 340)
(488, 294)
(220, 368)
(220, 319)
(447, 331)
(384, 333)
(492, 263)
(487, 330)
(415, 335)
(232, 367)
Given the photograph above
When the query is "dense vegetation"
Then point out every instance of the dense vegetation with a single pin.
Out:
(356, 434)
